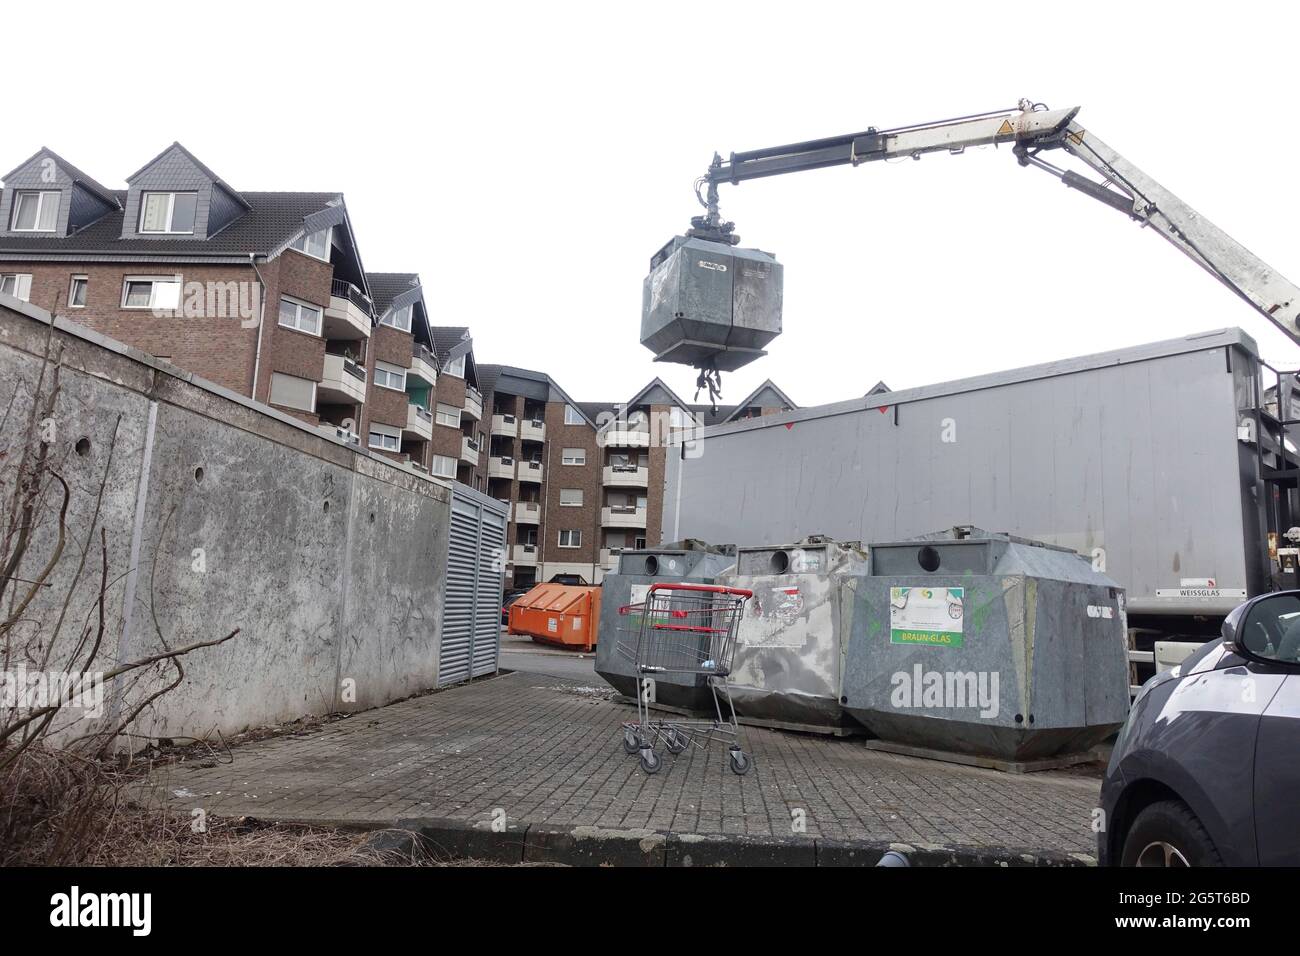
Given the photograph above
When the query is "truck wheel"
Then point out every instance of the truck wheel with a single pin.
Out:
(1168, 834)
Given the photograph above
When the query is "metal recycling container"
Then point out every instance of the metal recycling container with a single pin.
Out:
(977, 643)
(637, 570)
(706, 302)
(560, 614)
(789, 661)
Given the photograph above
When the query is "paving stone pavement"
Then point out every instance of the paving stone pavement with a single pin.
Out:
(548, 751)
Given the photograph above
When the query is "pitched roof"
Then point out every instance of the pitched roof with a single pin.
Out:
(748, 400)
(387, 286)
(104, 193)
(273, 219)
(446, 338)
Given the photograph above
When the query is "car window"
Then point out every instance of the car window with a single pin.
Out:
(1271, 629)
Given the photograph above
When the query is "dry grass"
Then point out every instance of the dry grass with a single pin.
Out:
(59, 809)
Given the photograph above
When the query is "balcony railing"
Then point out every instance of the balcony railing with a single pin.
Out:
(423, 413)
(346, 290)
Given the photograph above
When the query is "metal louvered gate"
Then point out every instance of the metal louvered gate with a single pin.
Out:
(471, 610)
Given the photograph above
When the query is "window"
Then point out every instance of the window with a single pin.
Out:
(571, 497)
(572, 416)
(317, 245)
(151, 292)
(448, 415)
(36, 212)
(296, 314)
(16, 284)
(390, 376)
(570, 539)
(456, 367)
(444, 466)
(293, 392)
(77, 292)
(574, 456)
(385, 437)
(638, 544)
(400, 319)
(168, 212)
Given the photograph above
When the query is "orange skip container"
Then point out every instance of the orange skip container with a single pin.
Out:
(565, 615)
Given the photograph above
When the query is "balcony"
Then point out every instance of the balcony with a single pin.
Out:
(473, 408)
(424, 365)
(528, 512)
(501, 466)
(626, 476)
(505, 425)
(622, 516)
(347, 317)
(469, 450)
(530, 471)
(532, 429)
(623, 435)
(524, 555)
(419, 422)
(339, 433)
(343, 382)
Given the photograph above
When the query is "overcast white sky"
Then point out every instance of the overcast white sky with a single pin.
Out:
(528, 158)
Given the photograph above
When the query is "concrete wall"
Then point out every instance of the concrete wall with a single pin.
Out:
(221, 514)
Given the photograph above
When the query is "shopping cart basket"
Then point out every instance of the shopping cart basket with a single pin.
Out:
(683, 629)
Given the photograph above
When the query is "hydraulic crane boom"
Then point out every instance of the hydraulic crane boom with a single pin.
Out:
(1033, 130)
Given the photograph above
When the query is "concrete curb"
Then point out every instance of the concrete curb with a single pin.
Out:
(597, 846)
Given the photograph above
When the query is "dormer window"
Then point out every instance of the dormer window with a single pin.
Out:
(456, 367)
(316, 245)
(36, 211)
(398, 318)
(168, 213)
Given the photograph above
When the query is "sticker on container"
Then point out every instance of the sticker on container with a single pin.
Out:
(1200, 588)
(552, 625)
(931, 616)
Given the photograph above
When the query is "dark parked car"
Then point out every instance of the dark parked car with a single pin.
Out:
(1205, 770)
(508, 599)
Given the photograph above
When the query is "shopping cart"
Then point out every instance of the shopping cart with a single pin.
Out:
(683, 629)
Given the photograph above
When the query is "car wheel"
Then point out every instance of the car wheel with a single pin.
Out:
(1168, 834)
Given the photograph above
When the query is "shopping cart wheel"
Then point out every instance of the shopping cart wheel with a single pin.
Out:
(740, 762)
(650, 761)
(631, 741)
(676, 742)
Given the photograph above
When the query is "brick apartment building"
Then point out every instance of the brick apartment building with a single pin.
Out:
(265, 293)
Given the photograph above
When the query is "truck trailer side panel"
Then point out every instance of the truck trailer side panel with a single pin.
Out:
(1130, 457)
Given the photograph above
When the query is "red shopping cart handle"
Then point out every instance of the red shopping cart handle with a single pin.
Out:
(711, 588)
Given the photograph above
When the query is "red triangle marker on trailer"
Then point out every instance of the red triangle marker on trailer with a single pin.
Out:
(789, 425)
(882, 409)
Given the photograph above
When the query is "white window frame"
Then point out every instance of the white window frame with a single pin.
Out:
(455, 367)
(42, 197)
(300, 245)
(445, 414)
(301, 306)
(385, 370)
(22, 289)
(450, 466)
(575, 538)
(386, 433)
(578, 459)
(72, 289)
(390, 318)
(572, 416)
(154, 281)
(171, 211)
(571, 504)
